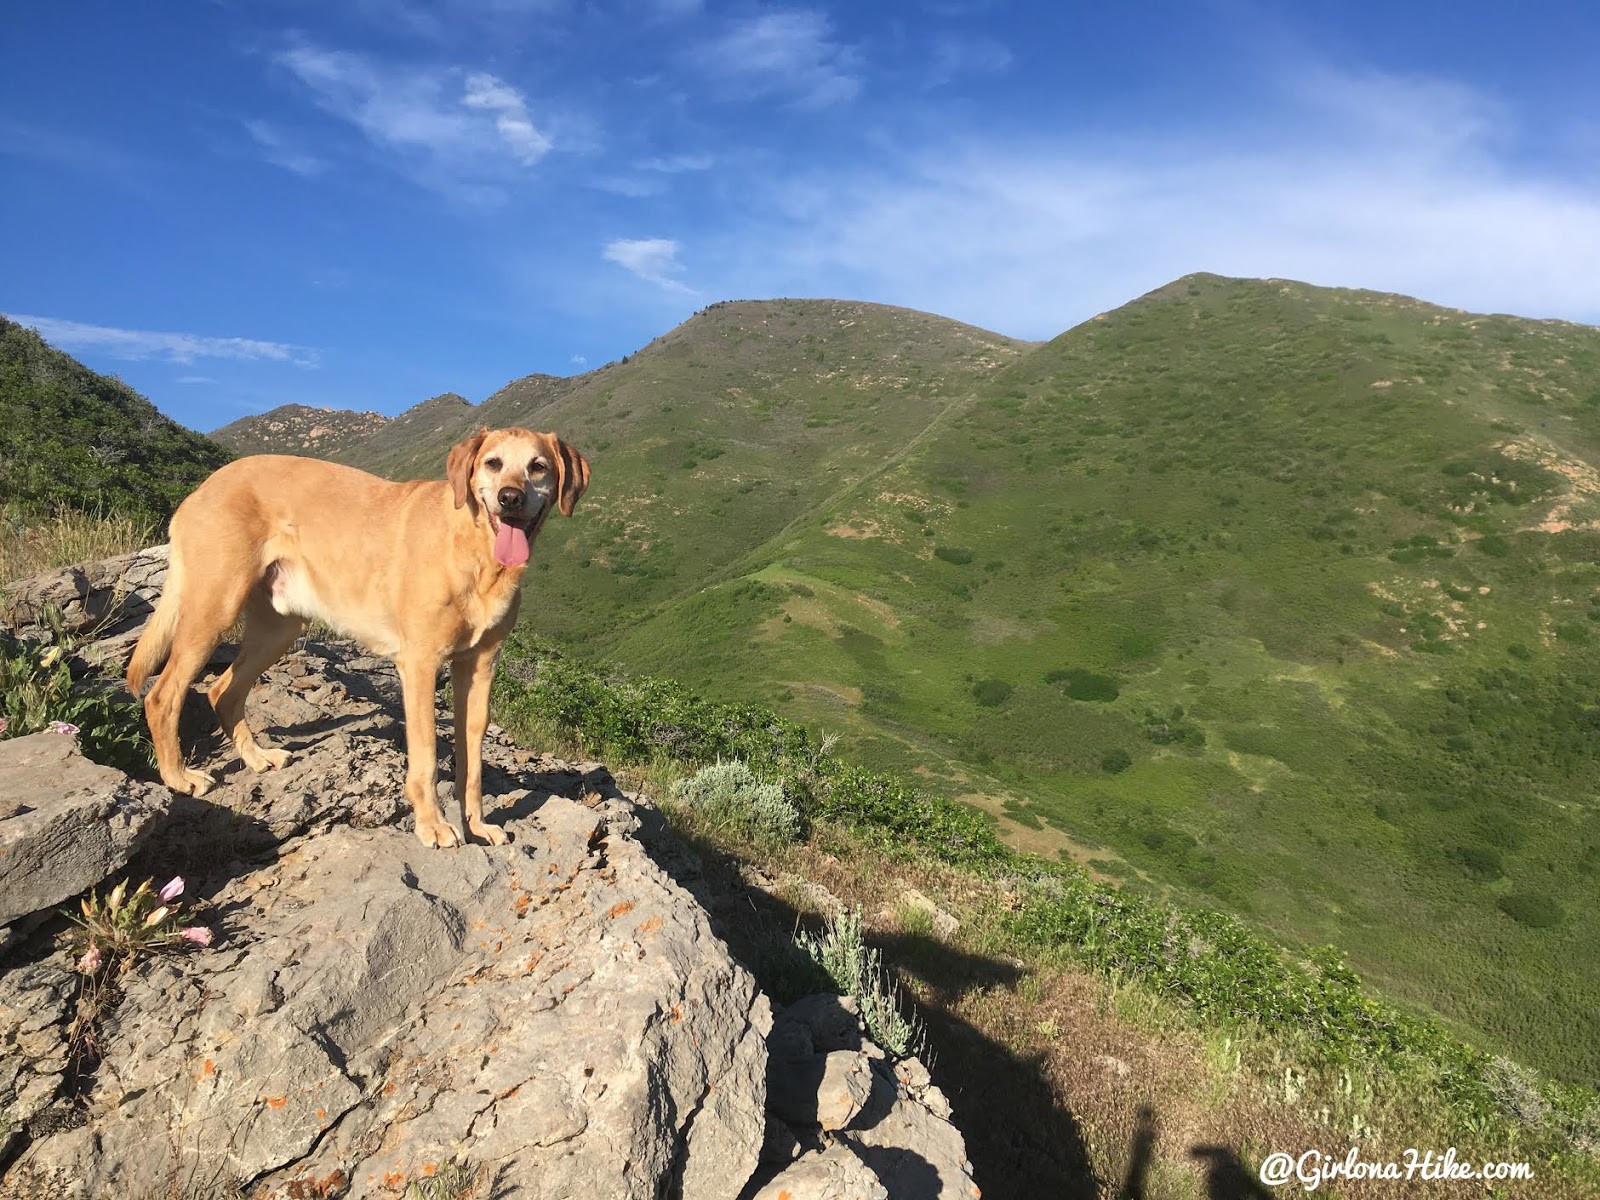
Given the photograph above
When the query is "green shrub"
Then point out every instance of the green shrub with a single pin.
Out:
(1494, 545)
(991, 693)
(1116, 762)
(1533, 909)
(1084, 685)
(641, 719)
(1481, 862)
(38, 693)
(953, 554)
(729, 796)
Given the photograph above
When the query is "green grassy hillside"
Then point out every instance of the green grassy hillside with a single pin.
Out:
(1280, 596)
(713, 439)
(69, 436)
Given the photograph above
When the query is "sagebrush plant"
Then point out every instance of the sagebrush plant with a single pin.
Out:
(856, 969)
(729, 796)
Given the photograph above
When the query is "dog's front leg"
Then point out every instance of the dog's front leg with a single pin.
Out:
(417, 677)
(471, 678)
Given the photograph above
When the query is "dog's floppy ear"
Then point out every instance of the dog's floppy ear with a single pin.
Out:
(573, 476)
(458, 469)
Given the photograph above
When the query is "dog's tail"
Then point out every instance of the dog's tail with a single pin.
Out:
(156, 640)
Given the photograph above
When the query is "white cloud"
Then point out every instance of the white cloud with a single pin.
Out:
(1030, 239)
(174, 347)
(579, 360)
(785, 53)
(466, 135)
(195, 379)
(280, 152)
(654, 260)
(510, 116)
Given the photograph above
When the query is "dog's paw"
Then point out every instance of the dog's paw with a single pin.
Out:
(486, 832)
(191, 783)
(438, 834)
(259, 759)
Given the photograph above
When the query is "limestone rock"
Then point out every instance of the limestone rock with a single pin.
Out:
(907, 1140)
(111, 600)
(830, 1022)
(822, 1089)
(833, 1174)
(552, 1009)
(66, 823)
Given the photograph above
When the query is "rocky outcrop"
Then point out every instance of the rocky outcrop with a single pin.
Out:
(107, 602)
(883, 1128)
(65, 823)
(556, 1014)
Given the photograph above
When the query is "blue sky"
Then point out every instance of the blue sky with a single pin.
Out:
(240, 203)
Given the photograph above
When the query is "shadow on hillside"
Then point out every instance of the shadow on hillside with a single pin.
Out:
(1225, 1175)
(1022, 1141)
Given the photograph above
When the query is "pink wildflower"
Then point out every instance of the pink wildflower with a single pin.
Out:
(173, 890)
(198, 934)
(157, 917)
(90, 962)
(3, 724)
(66, 727)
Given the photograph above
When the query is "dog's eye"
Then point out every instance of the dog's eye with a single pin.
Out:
(493, 464)
(536, 467)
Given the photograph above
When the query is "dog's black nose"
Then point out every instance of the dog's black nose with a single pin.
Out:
(510, 499)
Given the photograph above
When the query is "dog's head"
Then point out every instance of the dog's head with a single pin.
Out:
(512, 477)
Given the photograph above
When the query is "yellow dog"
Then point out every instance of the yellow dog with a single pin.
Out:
(420, 572)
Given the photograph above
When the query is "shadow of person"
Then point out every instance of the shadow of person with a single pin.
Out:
(1226, 1176)
(1144, 1146)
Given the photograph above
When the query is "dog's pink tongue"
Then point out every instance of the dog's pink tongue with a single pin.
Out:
(510, 545)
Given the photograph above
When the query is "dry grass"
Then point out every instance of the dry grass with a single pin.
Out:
(31, 545)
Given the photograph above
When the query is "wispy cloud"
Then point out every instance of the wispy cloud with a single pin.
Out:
(654, 260)
(195, 379)
(78, 153)
(1032, 238)
(466, 134)
(488, 94)
(789, 54)
(281, 152)
(677, 164)
(173, 347)
(952, 56)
